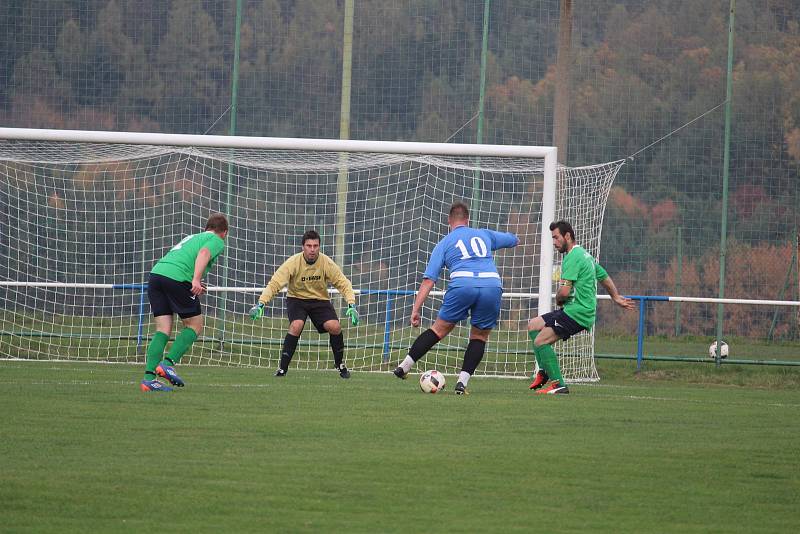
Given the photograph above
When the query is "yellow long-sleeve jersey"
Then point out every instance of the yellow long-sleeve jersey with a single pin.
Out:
(308, 281)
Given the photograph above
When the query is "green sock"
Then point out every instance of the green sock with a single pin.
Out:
(155, 351)
(181, 344)
(549, 359)
(532, 334)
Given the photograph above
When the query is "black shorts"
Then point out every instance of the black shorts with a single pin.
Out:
(319, 311)
(562, 324)
(168, 296)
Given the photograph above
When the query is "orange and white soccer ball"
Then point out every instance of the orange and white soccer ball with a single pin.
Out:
(432, 381)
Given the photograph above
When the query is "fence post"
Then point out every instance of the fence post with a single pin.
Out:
(640, 335)
(140, 333)
(387, 327)
(786, 285)
(678, 276)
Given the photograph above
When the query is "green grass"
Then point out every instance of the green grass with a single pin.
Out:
(663, 450)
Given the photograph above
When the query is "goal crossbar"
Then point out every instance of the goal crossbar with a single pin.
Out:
(277, 143)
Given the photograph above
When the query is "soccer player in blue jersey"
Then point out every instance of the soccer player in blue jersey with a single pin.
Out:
(475, 290)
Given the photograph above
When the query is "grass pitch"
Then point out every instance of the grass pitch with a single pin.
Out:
(239, 450)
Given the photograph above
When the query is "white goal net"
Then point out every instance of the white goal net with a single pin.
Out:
(82, 223)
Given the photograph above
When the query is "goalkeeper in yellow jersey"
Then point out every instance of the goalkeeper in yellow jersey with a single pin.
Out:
(308, 274)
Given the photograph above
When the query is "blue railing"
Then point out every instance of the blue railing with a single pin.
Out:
(388, 315)
(391, 294)
(387, 320)
(640, 330)
(642, 299)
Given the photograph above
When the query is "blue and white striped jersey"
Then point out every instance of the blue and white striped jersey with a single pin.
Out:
(467, 254)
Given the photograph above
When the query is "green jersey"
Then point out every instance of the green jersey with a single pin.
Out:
(580, 268)
(178, 263)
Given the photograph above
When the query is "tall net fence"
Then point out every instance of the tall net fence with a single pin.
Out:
(639, 71)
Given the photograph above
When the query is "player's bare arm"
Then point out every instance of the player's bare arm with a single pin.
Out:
(203, 257)
(618, 299)
(424, 288)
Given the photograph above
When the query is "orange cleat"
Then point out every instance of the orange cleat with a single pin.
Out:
(553, 388)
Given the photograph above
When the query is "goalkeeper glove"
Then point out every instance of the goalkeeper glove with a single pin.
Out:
(352, 313)
(257, 311)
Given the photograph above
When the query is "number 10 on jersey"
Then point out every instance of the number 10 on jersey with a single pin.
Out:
(476, 244)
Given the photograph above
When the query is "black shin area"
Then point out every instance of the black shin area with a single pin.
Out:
(423, 344)
(473, 355)
(337, 346)
(289, 346)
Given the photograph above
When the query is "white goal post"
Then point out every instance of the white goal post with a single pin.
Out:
(85, 214)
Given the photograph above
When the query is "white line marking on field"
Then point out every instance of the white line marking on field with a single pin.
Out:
(693, 401)
(133, 383)
(130, 383)
(601, 391)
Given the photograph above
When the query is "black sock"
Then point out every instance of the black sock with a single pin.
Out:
(423, 344)
(289, 346)
(337, 346)
(473, 355)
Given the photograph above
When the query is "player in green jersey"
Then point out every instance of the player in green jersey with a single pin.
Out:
(577, 295)
(174, 287)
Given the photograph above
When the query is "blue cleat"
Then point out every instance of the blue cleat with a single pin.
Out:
(153, 385)
(165, 371)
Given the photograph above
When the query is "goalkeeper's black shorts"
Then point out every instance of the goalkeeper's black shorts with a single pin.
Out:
(320, 311)
(168, 296)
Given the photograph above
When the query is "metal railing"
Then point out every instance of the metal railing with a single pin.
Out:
(392, 294)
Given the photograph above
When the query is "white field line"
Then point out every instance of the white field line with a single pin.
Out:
(680, 399)
(602, 396)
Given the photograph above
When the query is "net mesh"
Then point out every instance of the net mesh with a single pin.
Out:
(82, 224)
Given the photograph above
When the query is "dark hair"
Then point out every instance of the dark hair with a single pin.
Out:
(459, 210)
(217, 223)
(312, 235)
(564, 227)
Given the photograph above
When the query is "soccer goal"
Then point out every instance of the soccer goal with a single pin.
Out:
(84, 215)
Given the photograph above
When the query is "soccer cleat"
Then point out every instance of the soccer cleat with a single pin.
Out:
(165, 371)
(539, 380)
(461, 389)
(153, 385)
(280, 372)
(343, 372)
(553, 388)
(399, 373)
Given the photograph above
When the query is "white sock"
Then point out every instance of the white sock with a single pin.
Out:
(463, 377)
(407, 364)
